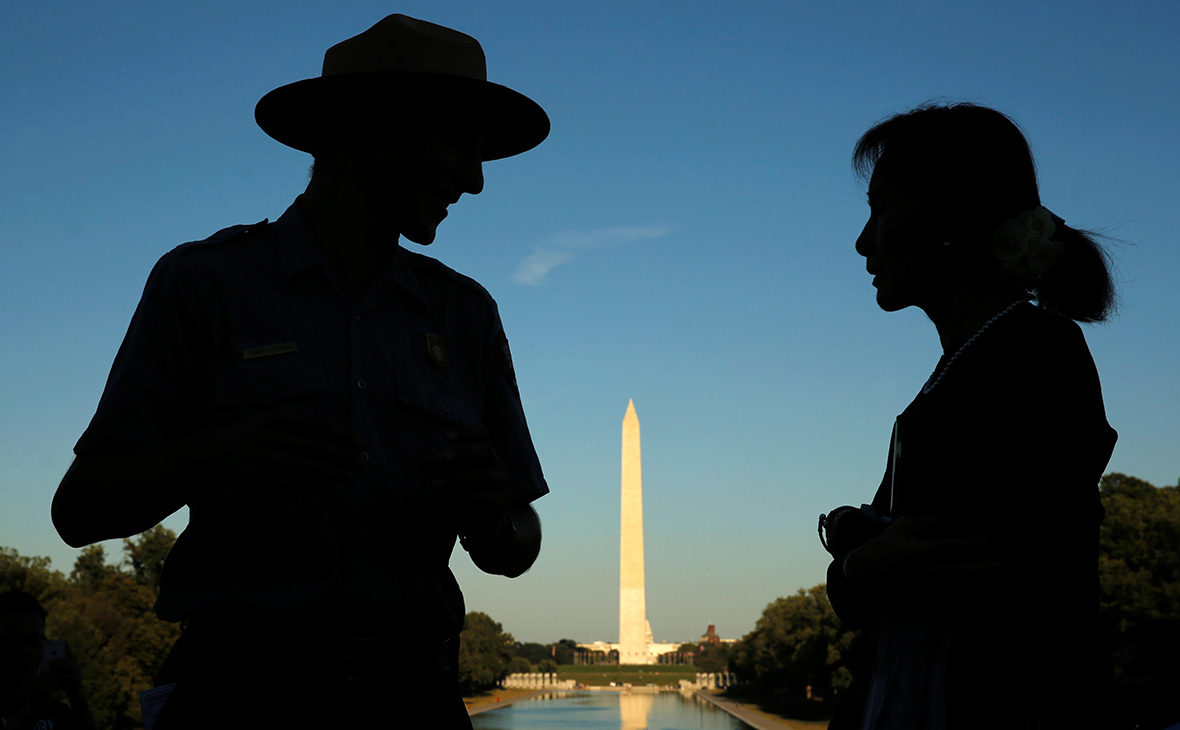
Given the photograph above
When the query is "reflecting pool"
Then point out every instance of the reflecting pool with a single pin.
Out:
(608, 711)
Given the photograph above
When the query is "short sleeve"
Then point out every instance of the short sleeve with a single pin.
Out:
(504, 417)
(152, 391)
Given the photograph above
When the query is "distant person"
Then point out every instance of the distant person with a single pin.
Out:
(334, 409)
(981, 589)
(28, 682)
(1151, 674)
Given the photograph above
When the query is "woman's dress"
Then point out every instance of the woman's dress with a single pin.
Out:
(1010, 445)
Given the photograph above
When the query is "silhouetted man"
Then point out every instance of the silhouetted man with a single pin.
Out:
(333, 409)
(27, 681)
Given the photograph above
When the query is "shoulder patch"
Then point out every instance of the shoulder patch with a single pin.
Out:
(504, 356)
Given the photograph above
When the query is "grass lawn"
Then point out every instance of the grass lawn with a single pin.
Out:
(603, 674)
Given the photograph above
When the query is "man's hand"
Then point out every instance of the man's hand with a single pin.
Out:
(108, 496)
(502, 536)
(470, 483)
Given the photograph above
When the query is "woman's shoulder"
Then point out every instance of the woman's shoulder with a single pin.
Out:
(1037, 331)
(1046, 352)
(1028, 351)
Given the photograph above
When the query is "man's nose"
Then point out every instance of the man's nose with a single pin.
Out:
(471, 177)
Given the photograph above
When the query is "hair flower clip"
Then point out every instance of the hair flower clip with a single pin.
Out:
(1026, 244)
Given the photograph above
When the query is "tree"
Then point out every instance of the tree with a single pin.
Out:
(535, 653)
(564, 650)
(1139, 552)
(712, 658)
(106, 614)
(90, 568)
(146, 554)
(485, 652)
(560, 653)
(708, 657)
(547, 666)
(793, 643)
(519, 665)
(121, 645)
(31, 574)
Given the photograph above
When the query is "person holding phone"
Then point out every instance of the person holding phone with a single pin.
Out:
(33, 669)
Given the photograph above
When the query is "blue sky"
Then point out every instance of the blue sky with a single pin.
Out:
(684, 238)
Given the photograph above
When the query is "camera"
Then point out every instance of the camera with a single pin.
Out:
(846, 528)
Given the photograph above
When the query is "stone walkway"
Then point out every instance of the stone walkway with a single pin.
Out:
(757, 720)
(476, 709)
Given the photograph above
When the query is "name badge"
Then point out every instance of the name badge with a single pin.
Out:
(268, 350)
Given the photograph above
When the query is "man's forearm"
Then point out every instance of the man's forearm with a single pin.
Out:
(510, 557)
(105, 497)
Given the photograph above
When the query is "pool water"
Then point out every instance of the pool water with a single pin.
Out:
(609, 711)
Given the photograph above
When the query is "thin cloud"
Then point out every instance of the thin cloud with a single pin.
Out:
(559, 249)
(535, 267)
(604, 237)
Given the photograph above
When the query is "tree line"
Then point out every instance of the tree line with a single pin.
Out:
(105, 612)
(488, 654)
(798, 638)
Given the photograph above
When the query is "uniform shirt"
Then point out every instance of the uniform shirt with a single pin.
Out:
(253, 319)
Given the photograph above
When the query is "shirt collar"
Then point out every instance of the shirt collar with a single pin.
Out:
(297, 251)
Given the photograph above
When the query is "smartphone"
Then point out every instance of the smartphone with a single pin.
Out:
(53, 650)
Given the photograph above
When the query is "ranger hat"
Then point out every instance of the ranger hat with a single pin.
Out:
(401, 66)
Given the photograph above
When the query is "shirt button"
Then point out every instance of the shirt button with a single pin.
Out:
(267, 391)
(357, 316)
(446, 408)
(364, 456)
(362, 384)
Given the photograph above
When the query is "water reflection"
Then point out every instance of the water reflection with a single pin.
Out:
(634, 709)
(608, 711)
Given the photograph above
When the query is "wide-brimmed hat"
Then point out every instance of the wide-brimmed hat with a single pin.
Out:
(397, 66)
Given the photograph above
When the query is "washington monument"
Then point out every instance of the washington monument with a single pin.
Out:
(636, 645)
(634, 633)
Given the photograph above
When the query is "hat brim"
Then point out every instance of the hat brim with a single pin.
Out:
(312, 115)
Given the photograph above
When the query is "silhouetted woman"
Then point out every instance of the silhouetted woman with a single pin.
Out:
(981, 595)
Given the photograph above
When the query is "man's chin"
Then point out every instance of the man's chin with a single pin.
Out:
(422, 238)
(422, 232)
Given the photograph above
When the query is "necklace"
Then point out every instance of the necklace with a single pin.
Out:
(937, 376)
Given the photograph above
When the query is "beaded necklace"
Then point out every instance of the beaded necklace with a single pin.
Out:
(936, 377)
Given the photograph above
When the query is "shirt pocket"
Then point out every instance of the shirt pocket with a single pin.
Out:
(440, 394)
(297, 382)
